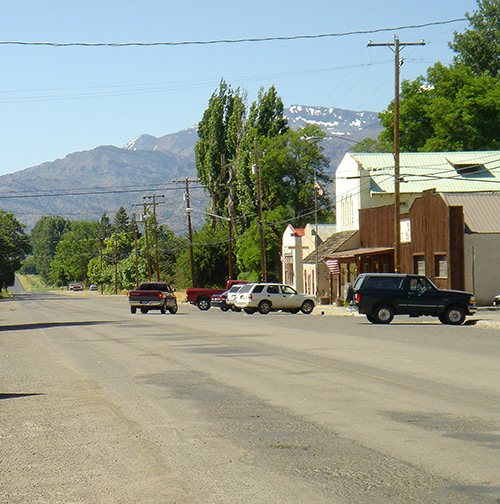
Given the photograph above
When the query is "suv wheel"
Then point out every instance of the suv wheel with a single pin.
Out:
(250, 311)
(264, 307)
(307, 307)
(383, 314)
(454, 315)
(173, 309)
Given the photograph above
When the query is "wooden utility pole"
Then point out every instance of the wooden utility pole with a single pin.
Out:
(136, 252)
(396, 47)
(145, 220)
(259, 211)
(155, 230)
(188, 181)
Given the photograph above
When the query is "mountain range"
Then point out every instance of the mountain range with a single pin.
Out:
(86, 184)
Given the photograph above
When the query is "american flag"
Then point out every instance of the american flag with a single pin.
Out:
(333, 266)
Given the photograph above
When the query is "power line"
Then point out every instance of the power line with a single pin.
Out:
(230, 41)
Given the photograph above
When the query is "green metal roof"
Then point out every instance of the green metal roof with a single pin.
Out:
(444, 171)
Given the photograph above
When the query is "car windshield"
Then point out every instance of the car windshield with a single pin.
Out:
(286, 289)
(235, 288)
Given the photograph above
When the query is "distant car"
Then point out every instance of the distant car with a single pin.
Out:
(93, 287)
(496, 300)
(220, 301)
(231, 297)
(76, 286)
(267, 297)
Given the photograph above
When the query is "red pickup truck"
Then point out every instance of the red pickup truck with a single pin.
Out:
(153, 296)
(202, 297)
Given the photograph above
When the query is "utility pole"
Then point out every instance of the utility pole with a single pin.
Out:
(155, 230)
(135, 246)
(188, 181)
(145, 217)
(259, 211)
(396, 47)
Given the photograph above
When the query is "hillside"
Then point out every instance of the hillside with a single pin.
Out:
(86, 184)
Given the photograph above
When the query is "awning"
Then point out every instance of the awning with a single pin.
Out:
(353, 253)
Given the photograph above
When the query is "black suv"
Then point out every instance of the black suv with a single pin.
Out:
(380, 296)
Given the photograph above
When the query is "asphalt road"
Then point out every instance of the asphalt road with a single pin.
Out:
(101, 406)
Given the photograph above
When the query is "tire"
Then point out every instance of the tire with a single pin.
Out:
(371, 319)
(144, 310)
(133, 309)
(203, 304)
(382, 314)
(348, 292)
(307, 307)
(454, 315)
(173, 309)
(224, 308)
(235, 308)
(163, 310)
(264, 307)
(250, 311)
(294, 311)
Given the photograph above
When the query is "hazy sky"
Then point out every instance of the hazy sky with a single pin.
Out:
(57, 100)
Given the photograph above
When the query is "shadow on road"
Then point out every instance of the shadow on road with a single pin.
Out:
(46, 325)
(15, 396)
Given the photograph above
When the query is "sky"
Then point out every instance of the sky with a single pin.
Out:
(58, 100)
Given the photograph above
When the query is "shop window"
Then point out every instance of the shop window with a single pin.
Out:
(440, 266)
(419, 265)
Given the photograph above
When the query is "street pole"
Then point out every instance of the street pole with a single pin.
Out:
(187, 181)
(136, 252)
(396, 47)
(259, 211)
(155, 230)
(144, 217)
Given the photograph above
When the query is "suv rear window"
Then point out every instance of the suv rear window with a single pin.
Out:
(245, 288)
(384, 283)
(258, 288)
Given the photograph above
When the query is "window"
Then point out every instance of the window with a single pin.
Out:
(285, 289)
(440, 266)
(419, 265)
(273, 289)
(258, 288)
(384, 283)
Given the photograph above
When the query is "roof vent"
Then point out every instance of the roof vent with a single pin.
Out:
(468, 168)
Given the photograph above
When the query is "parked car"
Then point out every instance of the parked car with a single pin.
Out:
(231, 297)
(496, 300)
(77, 286)
(380, 296)
(220, 301)
(93, 287)
(267, 297)
(202, 297)
(153, 296)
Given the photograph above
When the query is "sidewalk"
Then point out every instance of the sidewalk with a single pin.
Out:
(486, 316)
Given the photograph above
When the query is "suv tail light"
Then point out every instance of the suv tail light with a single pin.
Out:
(357, 298)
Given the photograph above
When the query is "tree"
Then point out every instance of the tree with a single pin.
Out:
(479, 46)
(45, 236)
(73, 253)
(14, 246)
(452, 109)
(219, 133)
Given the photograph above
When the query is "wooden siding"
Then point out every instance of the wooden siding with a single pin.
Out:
(436, 230)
